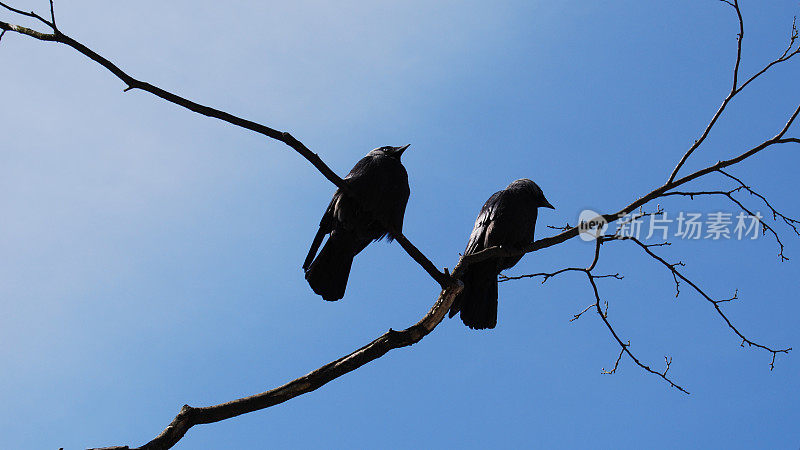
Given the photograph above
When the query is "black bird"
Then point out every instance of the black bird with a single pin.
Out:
(508, 218)
(380, 184)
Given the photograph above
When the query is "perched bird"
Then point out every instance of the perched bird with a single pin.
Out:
(379, 183)
(508, 219)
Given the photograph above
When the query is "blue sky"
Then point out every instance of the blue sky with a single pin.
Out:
(151, 257)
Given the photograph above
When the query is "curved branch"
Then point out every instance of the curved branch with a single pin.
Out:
(728, 98)
(764, 226)
(625, 350)
(34, 15)
(190, 416)
(715, 303)
(736, 88)
(626, 347)
(790, 222)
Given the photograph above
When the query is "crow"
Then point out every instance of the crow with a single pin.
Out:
(373, 208)
(507, 219)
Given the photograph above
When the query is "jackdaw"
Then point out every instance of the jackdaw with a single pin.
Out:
(379, 183)
(507, 219)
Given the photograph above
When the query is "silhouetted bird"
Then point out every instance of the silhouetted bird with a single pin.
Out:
(380, 184)
(508, 218)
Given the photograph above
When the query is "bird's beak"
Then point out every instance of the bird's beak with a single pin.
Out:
(399, 150)
(548, 205)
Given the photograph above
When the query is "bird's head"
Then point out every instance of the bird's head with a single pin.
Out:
(536, 192)
(388, 150)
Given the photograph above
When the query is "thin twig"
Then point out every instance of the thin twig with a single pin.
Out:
(28, 14)
(765, 227)
(715, 303)
(546, 276)
(578, 316)
(792, 223)
(735, 89)
(604, 313)
(53, 16)
(626, 347)
(616, 363)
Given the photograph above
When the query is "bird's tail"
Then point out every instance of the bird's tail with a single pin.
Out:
(329, 272)
(478, 301)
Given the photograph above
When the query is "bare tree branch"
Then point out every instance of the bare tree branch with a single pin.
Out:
(604, 371)
(546, 276)
(792, 223)
(53, 16)
(739, 39)
(741, 186)
(729, 194)
(190, 416)
(716, 303)
(578, 316)
(735, 89)
(625, 348)
(30, 14)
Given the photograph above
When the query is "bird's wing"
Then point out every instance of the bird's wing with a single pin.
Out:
(477, 240)
(513, 225)
(325, 227)
(394, 208)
